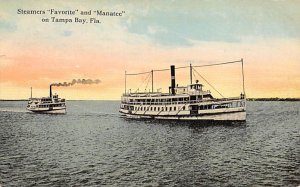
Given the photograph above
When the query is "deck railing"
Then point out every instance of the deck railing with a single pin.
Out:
(179, 102)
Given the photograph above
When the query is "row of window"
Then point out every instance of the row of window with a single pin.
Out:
(159, 100)
(47, 106)
(192, 107)
(46, 99)
(218, 106)
(159, 108)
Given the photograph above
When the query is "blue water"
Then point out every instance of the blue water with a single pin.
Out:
(92, 145)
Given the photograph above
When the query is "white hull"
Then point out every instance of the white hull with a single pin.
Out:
(236, 116)
(56, 111)
(222, 114)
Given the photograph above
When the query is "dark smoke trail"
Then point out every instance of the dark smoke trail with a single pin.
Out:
(78, 81)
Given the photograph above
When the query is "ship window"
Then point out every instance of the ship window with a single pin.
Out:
(183, 108)
(154, 108)
(174, 107)
(170, 108)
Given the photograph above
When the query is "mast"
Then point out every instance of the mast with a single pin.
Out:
(191, 71)
(125, 82)
(152, 79)
(30, 92)
(243, 76)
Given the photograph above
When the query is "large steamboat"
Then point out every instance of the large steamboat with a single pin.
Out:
(49, 105)
(189, 102)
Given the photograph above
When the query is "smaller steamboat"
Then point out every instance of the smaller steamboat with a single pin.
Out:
(48, 105)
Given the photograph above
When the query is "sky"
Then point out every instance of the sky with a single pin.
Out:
(150, 35)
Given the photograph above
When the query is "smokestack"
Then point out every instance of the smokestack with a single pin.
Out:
(50, 90)
(173, 79)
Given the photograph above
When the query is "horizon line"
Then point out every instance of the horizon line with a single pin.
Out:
(249, 98)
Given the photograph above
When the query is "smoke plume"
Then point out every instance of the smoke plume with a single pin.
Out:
(77, 81)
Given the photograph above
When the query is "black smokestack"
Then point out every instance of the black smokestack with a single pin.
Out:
(173, 79)
(50, 90)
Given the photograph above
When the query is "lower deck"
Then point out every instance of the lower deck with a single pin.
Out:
(59, 107)
(213, 110)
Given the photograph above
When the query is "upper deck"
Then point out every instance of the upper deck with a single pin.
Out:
(42, 100)
(180, 91)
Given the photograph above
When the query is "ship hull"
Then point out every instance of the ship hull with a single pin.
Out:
(233, 116)
(54, 111)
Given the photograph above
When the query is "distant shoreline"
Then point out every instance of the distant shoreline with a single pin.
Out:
(14, 100)
(248, 99)
(273, 99)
